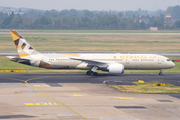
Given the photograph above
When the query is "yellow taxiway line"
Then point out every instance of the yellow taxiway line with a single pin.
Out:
(58, 102)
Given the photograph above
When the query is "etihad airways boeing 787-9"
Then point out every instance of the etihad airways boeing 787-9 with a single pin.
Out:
(112, 63)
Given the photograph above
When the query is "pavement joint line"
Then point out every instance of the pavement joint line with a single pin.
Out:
(26, 81)
(13, 79)
(58, 102)
(51, 97)
(124, 98)
(36, 78)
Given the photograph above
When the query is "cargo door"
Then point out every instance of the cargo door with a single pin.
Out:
(127, 61)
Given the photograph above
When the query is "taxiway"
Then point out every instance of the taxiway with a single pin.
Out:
(48, 96)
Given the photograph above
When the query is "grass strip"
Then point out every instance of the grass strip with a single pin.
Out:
(147, 87)
(82, 42)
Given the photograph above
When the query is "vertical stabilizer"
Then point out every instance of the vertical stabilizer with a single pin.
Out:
(23, 47)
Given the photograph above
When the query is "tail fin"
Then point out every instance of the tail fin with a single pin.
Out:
(23, 47)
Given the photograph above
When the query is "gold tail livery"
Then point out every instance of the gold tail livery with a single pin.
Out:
(112, 63)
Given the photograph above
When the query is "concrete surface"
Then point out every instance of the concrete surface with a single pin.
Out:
(43, 96)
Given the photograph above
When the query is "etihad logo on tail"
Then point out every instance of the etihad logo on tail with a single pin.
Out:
(23, 47)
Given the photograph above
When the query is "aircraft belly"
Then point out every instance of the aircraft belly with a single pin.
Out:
(84, 66)
(64, 65)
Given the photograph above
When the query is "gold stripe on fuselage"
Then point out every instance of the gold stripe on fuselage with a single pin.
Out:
(70, 54)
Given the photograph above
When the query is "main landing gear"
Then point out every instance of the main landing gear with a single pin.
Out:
(93, 71)
(160, 73)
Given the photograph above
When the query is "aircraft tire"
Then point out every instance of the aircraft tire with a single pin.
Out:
(95, 74)
(88, 72)
(161, 74)
(91, 73)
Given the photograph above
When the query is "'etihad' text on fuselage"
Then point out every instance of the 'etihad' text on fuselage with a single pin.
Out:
(133, 57)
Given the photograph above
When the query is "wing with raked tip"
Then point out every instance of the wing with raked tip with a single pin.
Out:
(92, 62)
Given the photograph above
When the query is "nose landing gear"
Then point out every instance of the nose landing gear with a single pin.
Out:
(160, 73)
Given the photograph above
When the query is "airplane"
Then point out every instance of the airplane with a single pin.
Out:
(112, 63)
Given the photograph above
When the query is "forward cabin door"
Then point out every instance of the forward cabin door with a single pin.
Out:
(159, 60)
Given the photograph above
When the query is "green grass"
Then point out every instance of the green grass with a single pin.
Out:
(5, 64)
(153, 43)
(147, 87)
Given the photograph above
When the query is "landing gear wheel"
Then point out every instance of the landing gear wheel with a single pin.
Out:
(88, 72)
(95, 74)
(161, 74)
(91, 73)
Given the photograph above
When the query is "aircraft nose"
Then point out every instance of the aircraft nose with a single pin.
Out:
(172, 65)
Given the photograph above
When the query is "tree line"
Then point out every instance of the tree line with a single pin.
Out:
(85, 19)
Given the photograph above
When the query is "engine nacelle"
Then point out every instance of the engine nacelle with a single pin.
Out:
(116, 68)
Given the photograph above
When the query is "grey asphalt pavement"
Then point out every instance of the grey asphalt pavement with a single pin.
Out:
(168, 54)
(52, 33)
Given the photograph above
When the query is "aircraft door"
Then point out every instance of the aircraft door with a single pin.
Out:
(159, 60)
(127, 61)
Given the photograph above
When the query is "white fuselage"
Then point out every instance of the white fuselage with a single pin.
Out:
(112, 63)
(130, 61)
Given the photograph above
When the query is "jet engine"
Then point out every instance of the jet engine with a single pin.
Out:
(116, 68)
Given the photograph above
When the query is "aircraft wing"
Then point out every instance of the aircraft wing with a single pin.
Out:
(92, 62)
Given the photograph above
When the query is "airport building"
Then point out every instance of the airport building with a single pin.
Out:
(168, 21)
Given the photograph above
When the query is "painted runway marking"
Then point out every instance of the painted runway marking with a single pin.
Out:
(32, 90)
(59, 103)
(64, 115)
(29, 103)
(41, 86)
(76, 95)
(48, 103)
(125, 98)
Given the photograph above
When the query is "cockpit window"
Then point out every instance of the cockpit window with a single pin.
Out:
(168, 60)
